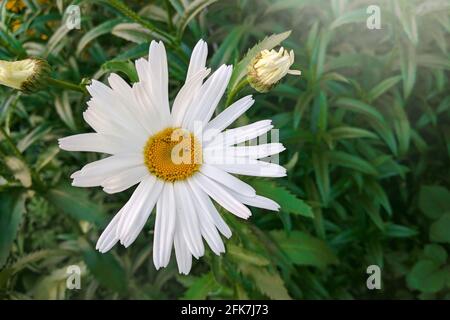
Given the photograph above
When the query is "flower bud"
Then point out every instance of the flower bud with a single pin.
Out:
(269, 67)
(27, 75)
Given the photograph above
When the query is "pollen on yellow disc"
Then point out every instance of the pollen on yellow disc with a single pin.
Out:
(173, 154)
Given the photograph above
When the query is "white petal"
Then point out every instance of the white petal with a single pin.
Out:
(256, 201)
(252, 167)
(230, 114)
(164, 227)
(146, 108)
(158, 86)
(206, 204)
(198, 59)
(125, 179)
(94, 173)
(125, 94)
(96, 142)
(186, 94)
(252, 152)
(202, 108)
(109, 236)
(138, 209)
(241, 134)
(208, 229)
(108, 104)
(221, 196)
(182, 253)
(227, 180)
(187, 216)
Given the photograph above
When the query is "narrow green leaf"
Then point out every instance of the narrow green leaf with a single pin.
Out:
(303, 249)
(12, 209)
(76, 203)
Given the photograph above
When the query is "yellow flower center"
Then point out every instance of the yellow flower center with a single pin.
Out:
(173, 154)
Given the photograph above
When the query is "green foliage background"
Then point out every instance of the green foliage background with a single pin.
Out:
(366, 129)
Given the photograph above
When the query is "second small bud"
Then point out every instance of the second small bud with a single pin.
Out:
(269, 67)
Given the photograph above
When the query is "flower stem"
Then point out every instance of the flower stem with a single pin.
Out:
(65, 85)
(128, 12)
(241, 85)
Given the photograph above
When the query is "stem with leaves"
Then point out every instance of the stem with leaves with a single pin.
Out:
(66, 85)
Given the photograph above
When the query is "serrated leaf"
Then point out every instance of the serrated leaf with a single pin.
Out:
(288, 201)
(269, 283)
(202, 287)
(243, 255)
(267, 44)
(303, 249)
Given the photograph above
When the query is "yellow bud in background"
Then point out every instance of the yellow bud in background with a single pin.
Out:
(269, 67)
(28, 75)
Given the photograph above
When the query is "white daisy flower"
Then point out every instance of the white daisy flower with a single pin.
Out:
(149, 143)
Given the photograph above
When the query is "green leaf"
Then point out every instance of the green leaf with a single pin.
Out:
(436, 253)
(408, 68)
(303, 249)
(228, 45)
(288, 202)
(62, 105)
(267, 44)
(76, 203)
(434, 201)
(427, 277)
(12, 209)
(347, 160)
(360, 107)
(106, 269)
(133, 32)
(126, 67)
(350, 17)
(321, 170)
(202, 287)
(440, 229)
(92, 34)
(383, 87)
(398, 231)
(344, 132)
(401, 126)
(243, 255)
(190, 12)
(269, 283)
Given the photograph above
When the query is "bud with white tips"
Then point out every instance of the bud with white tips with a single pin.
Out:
(28, 75)
(269, 67)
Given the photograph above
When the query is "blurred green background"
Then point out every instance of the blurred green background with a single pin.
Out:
(366, 129)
